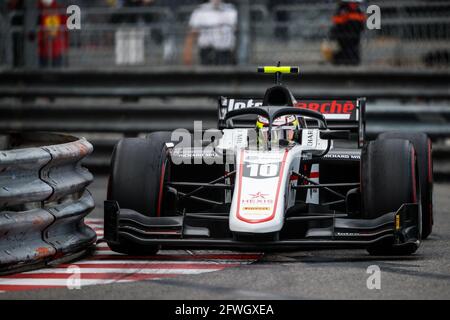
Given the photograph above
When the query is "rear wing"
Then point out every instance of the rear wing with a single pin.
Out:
(341, 114)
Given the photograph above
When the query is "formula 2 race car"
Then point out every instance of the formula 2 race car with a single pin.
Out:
(272, 177)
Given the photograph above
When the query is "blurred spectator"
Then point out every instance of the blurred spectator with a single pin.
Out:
(52, 35)
(130, 38)
(348, 24)
(213, 27)
(17, 37)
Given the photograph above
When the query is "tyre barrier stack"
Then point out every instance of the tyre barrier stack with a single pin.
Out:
(43, 200)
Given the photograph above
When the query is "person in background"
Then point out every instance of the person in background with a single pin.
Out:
(52, 35)
(16, 37)
(348, 24)
(212, 26)
(131, 33)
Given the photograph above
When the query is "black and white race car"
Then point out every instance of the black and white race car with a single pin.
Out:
(271, 176)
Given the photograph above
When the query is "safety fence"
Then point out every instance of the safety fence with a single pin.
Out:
(413, 34)
(43, 200)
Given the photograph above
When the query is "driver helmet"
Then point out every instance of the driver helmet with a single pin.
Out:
(285, 127)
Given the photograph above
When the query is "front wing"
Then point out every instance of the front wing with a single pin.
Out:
(306, 231)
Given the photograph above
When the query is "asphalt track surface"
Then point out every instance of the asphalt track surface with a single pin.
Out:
(312, 274)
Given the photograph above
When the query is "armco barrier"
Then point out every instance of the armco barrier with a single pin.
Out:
(43, 200)
(133, 118)
(229, 81)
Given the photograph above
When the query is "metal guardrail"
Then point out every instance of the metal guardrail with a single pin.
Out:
(87, 115)
(76, 107)
(43, 200)
(214, 82)
(133, 119)
(107, 116)
(434, 119)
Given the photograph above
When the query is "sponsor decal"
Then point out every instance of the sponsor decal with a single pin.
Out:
(234, 138)
(343, 156)
(189, 154)
(310, 137)
(235, 104)
(348, 234)
(257, 201)
(259, 195)
(257, 208)
(332, 109)
(333, 106)
(345, 110)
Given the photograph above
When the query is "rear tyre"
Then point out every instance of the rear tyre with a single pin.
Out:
(388, 180)
(138, 171)
(422, 145)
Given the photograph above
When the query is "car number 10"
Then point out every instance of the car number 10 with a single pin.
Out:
(263, 170)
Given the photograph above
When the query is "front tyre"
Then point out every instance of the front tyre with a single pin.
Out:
(138, 171)
(422, 145)
(388, 180)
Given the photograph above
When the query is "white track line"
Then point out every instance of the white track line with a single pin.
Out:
(64, 271)
(56, 282)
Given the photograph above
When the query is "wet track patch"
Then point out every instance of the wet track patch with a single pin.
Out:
(106, 266)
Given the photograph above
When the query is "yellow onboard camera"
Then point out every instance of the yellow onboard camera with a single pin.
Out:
(278, 71)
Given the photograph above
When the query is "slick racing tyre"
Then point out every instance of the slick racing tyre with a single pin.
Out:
(422, 145)
(138, 171)
(388, 180)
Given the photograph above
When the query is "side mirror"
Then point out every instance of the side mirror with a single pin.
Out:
(335, 135)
